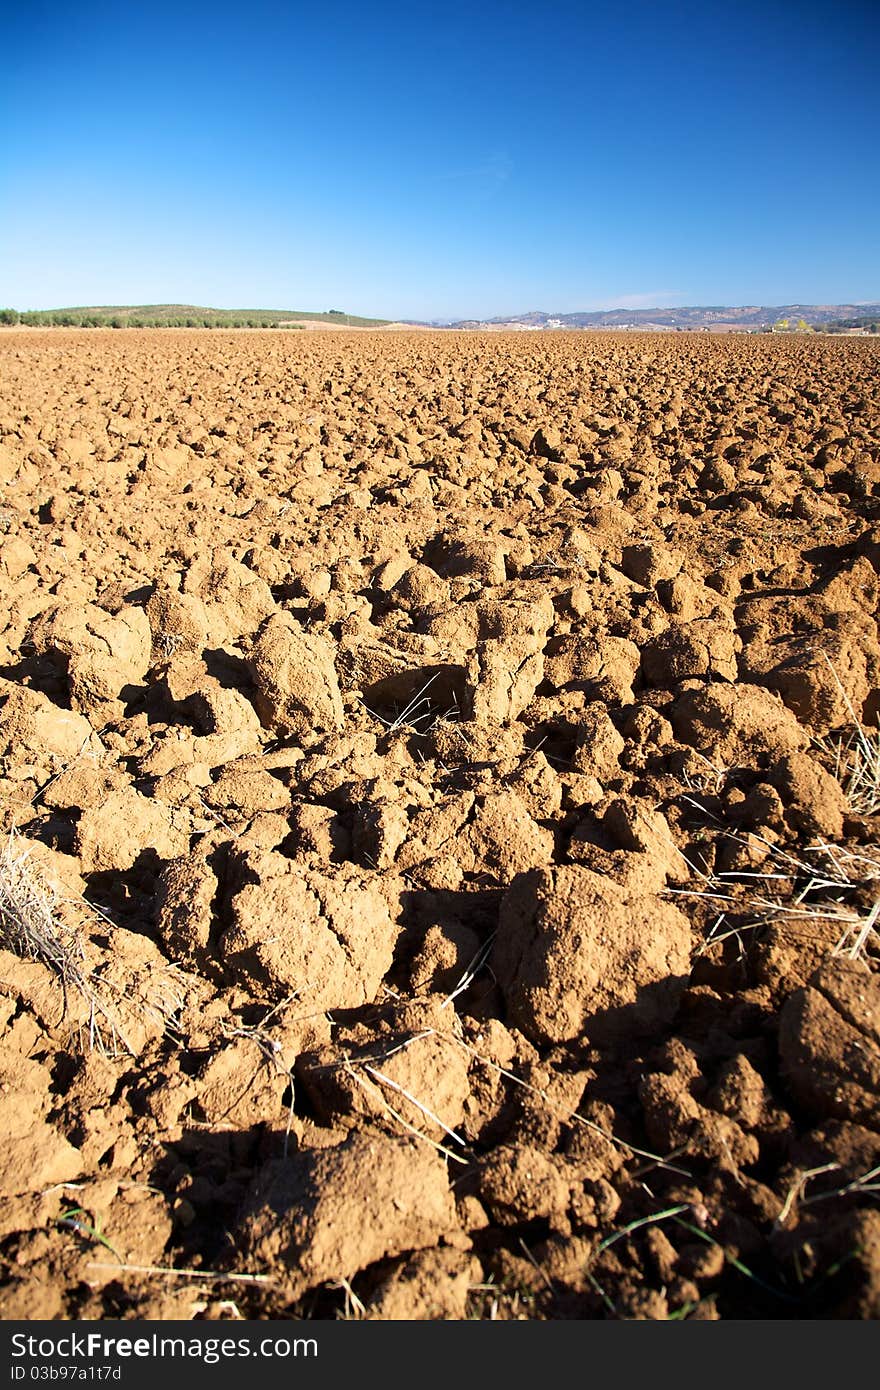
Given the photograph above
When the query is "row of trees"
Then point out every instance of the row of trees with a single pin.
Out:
(864, 324)
(63, 318)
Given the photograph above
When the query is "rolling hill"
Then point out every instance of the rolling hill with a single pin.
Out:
(181, 316)
(712, 317)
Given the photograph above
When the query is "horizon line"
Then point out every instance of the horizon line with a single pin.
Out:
(473, 318)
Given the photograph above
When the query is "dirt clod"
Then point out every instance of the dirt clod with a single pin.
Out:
(329, 1214)
(578, 954)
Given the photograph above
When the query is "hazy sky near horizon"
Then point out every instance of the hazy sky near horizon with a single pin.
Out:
(437, 161)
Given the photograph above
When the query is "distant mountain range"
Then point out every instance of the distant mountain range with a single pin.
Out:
(717, 318)
(711, 318)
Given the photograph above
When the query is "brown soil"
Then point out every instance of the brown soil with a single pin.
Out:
(375, 706)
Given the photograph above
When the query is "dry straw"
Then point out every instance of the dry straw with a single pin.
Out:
(30, 926)
(33, 927)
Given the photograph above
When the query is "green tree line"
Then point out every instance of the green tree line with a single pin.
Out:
(176, 316)
(65, 318)
(866, 324)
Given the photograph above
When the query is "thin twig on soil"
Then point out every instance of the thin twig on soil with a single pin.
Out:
(636, 1225)
(386, 1105)
(215, 1275)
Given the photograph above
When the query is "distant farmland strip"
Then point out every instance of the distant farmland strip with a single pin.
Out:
(178, 316)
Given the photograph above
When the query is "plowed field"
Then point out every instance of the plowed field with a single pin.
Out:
(439, 779)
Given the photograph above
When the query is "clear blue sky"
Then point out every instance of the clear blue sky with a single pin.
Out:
(439, 160)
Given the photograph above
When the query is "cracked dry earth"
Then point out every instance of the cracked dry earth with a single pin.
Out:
(422, 749)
